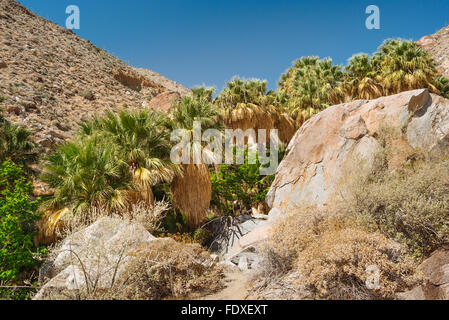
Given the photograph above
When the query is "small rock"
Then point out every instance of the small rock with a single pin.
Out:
(3, 64)
(243, 263)
(16, 109)
(29, 105)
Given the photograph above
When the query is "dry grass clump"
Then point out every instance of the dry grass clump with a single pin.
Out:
(168, 270)
(293, 234)
(148, 216)
(337, 266)
(409, 205)
(332, 258)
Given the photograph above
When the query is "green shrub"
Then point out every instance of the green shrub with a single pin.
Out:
(2, 98)
(17, 217)
(16, 144)
(410, 206)
(241, 184)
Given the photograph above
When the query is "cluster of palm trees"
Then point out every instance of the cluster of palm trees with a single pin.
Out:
(115, 161)
(312, 84)
(112, 161)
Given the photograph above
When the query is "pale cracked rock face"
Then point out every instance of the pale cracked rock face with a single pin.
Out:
(437, 45)
(343, 140)
(98, 253)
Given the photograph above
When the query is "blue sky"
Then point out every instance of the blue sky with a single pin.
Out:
(209, 41)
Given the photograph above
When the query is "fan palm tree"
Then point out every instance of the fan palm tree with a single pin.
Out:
(312, 84)
(144, 146)
(362, 80)
(191, 190)
(247, 105)
(15, 144)
(86, 174)
(441, 83)
(404, 66)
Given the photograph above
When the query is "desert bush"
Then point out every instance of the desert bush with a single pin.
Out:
(168, 270)
(292, 235)
(17, 216)
(238, 188)
(162, 269)
(149, 216)
(336, 266)
(332, 257)
(410, 205)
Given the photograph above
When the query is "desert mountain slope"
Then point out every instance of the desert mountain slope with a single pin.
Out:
(51, 79)
(438, 46)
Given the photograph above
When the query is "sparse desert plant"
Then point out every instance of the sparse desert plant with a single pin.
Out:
(410, 205)
(336, 266)
(169, 270)
(163, 269)
(88, 95)
(294, 233)
(331, 257)
(149, 216)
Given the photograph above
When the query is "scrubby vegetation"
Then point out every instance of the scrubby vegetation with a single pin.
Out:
(119, 166)
(169, 270)
(393, 219)
(163, 269)
(410, 206)
(18, 254)
(333, 257)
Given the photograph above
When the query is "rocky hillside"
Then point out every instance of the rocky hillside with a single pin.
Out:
(51, 79)
(438, 46)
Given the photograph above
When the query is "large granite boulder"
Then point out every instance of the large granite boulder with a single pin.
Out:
(344, 139)
(164, 101)
(94, 255)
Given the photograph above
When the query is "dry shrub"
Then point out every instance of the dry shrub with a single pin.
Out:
(168, 270)
(293, 234)
(122, 270)
(409, 205)
(335, 266)
(332, 258)
(149, 216)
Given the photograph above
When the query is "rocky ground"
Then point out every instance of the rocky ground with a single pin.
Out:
(438, 46)
(51, 79)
